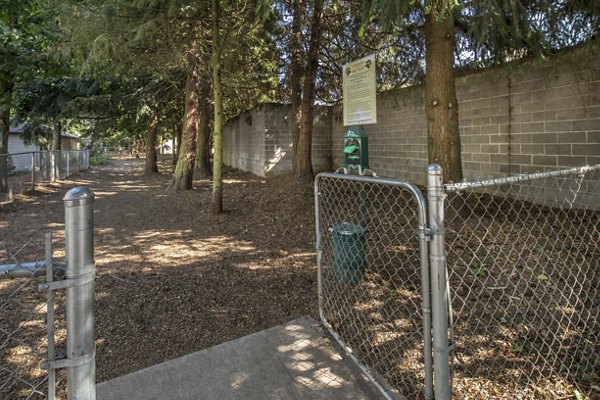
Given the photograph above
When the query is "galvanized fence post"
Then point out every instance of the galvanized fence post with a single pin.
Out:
(68, 154)
(439, 289)
(79, 243)
(33, 171)
(50, 316)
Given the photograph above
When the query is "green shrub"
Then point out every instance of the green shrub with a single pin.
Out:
(99, 159)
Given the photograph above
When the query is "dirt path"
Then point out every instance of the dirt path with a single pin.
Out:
(171, 279)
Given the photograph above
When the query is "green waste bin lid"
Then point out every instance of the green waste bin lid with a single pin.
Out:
(348, 229)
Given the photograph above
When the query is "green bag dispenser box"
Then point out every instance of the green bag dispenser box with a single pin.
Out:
(356, 148)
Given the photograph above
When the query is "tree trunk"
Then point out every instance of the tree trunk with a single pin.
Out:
(204, 137)
(217, 193)
(5, 106)
(304, 171)
(296, 81)
(56, 158)
(151, 168)
(441, 105)
(177, 140)
(56, 136)
(184, 172)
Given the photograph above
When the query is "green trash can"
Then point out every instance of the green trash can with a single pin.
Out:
(349, 253)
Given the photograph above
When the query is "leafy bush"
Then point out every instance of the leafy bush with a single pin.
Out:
(99, 159)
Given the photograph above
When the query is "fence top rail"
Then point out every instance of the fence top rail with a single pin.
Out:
(365, 179)
(373, 179)
(411, 187)
(467, 185)
(38, 152)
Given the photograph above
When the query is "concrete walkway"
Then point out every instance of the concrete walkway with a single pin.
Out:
(287, 362)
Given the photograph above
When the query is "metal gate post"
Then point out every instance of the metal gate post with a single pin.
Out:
(439, 291)
(52, 166)
(33, 155)
(79, 243)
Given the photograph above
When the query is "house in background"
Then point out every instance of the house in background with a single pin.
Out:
(17, 145)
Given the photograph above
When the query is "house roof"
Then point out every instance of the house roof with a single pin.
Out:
(19, 128)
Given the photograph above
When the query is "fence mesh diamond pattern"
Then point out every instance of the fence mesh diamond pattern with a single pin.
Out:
(523, 264)
(23, 339)
(371, 277)
(25, 171)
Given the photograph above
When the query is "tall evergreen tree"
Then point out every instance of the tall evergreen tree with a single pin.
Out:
(216, 206)
(474, 34)
(27, 29)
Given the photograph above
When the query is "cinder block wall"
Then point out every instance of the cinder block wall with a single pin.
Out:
(398, 142)
(260, 140)
(244, 142)
(532, 117)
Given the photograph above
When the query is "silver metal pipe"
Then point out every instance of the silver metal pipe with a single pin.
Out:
(457, 187)
(50, 317)
(29, 269)
(318, 248)
(79, 243)
(439, 291)
(32, 171)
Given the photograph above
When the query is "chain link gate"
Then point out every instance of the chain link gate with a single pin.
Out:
(373, 278)
(514, 306)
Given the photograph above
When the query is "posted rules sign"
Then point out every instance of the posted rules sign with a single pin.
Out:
(359, 91)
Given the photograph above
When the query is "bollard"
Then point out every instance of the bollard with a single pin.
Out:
(439, 289)
(79, 243)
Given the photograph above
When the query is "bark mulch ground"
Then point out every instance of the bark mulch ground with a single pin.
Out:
(172, 279)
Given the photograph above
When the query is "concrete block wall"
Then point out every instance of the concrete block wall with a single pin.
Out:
(398, 142)
(528, 118)
(260, 140)
(278, 139)
(244, 142)
(532, 117)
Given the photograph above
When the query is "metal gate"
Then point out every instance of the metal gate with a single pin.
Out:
(373, 278)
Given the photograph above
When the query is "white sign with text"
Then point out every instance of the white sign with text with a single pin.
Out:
(359, 91)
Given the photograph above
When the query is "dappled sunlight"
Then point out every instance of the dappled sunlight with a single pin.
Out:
(99, 194)
(238, 379)
(371, 304)
(180, 248)
(172, 279)
(279, 154)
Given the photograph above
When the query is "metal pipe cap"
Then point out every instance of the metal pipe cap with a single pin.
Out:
(79, 196)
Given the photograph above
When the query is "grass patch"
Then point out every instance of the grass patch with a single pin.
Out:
(99, 159)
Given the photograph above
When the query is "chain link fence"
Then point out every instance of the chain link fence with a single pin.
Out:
(23, 322)
(524, 283)
(47, 309)
(371, 264)
(23, 171)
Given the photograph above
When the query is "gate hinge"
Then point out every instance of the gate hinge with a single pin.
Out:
(426, 232)
(423, 232)
(68, 283)
(64, 362)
